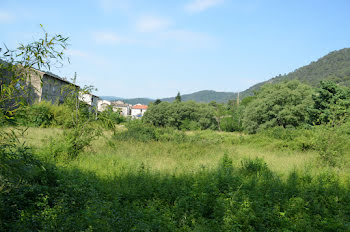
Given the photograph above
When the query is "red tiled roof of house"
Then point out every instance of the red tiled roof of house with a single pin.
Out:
(142, 107)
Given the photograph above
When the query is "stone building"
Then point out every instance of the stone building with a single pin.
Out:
(37, 86)
(122, 107)
(102, 105)
(50, 87)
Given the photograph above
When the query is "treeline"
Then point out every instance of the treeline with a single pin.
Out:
(289, 104)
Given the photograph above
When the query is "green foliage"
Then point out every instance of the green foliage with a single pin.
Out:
(331, 103)
(178, 97)
(109, 118)
(16, 160)
(37, 115)
(45, 114)
(157, 101)
(246, 198)
(23, 180)
(72, 143)
(17, 68)
(283, 104)
(139, 131)
(329, 142)
(181, 115)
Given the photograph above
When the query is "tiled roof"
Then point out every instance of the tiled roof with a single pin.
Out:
(141, 107)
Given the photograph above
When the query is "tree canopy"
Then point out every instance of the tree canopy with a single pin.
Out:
(181, 115)
(283, 104)
(331, 103)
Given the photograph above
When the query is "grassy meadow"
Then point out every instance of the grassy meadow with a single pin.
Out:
(108, 158)
(182, 181)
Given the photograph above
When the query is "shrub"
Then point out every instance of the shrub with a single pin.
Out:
(143, 132)
(136, 130)
(37, 115)
(45, 114)
(109, 118)
(181, 115)
(331, 143)
(72, 142)
(62, 116)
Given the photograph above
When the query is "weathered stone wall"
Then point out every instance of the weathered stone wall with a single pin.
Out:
(34, 86)
(53, 89)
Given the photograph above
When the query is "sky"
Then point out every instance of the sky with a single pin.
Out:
(155, 48)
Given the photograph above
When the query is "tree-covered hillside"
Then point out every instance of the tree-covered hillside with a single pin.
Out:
(205, 96)
(334, 66)
(133, 101)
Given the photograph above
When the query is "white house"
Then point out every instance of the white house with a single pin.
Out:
(102, 105)
(138, 110)
(122, 107)
(90, 99)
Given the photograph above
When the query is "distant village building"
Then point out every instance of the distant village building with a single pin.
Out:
(138, 110)
(102, 105)
(122, 107)
(90, 99)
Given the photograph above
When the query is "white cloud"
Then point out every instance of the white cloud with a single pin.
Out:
(151, 24)
(201, 5)
(6, 17)
(106, 38)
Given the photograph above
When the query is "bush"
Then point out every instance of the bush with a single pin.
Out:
(136, 130)
(331, 144)
(181, 115)
(36, 115)
(108, 118)
(143, 132)
(45, 114)
(62, 116)
(72, 142)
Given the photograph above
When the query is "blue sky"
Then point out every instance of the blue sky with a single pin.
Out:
(155, 48)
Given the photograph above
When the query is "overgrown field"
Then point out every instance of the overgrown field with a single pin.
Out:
(168, 180)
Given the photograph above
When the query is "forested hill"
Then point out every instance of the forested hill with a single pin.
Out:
(205, 96)
(133, 101)
(334, 66)
(201, 96)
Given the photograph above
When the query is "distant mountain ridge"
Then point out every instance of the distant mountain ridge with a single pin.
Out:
(205, 96)
(334, 66)
(200, 96)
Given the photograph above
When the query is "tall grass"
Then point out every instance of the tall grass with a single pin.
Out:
(176, 181)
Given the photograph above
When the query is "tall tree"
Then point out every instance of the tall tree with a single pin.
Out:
(331, 103)
(158, 101)
(283, 104)
(178, 97)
